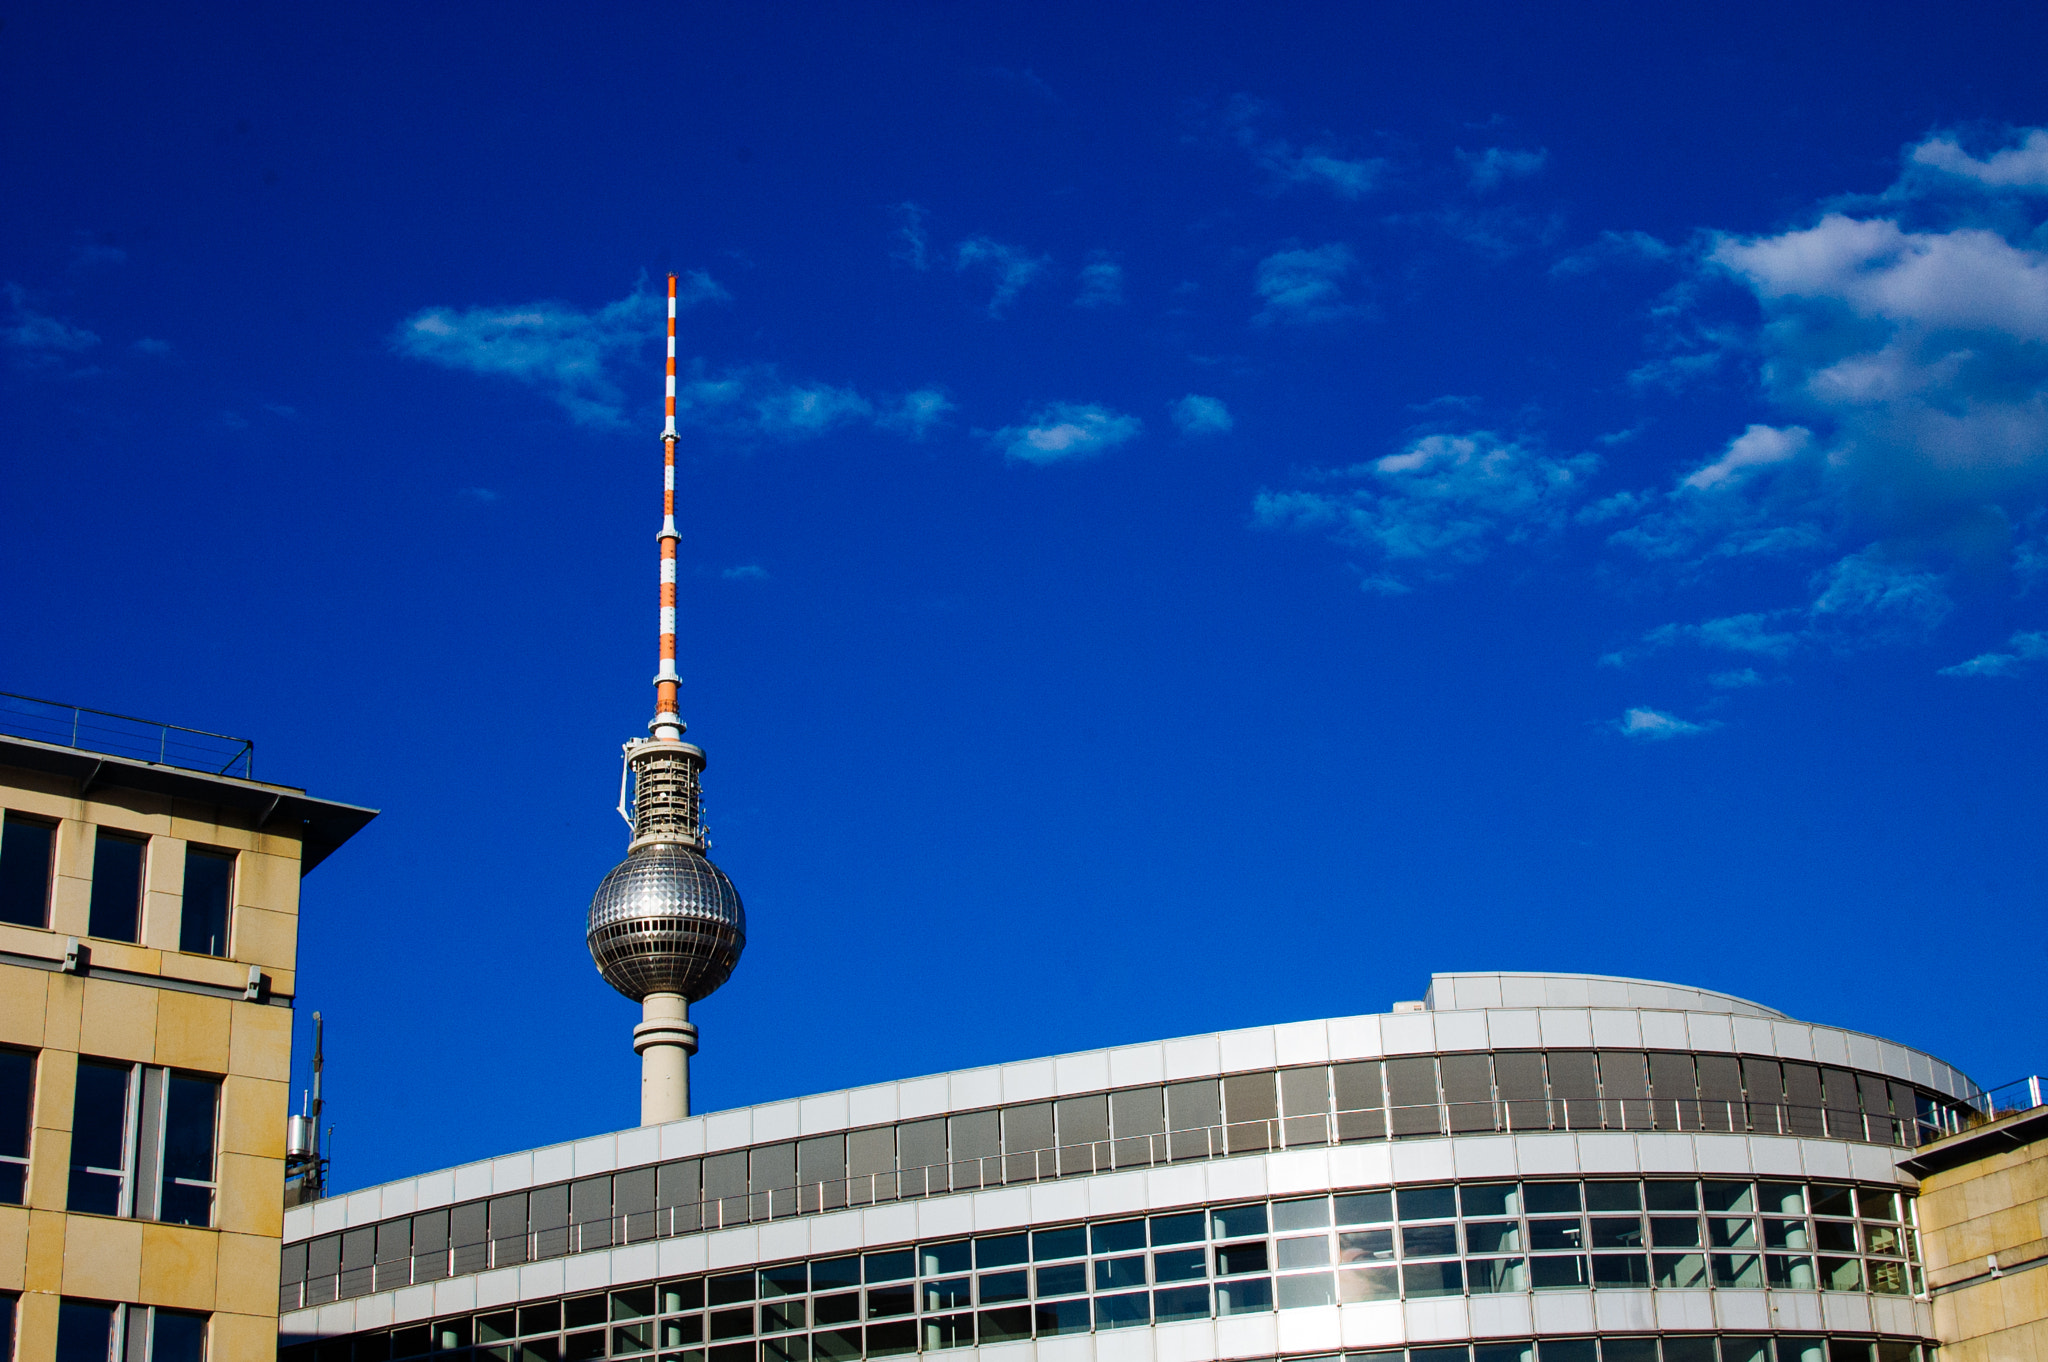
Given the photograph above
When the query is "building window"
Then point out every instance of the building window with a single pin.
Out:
(17, 1111)
(209, 879)
(85, 1331)
(116, 913)
(93, 1331)
(100, 1143)
(25, 854)
(143, 1143)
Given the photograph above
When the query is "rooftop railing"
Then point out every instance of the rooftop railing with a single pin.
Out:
(2009, 1099)
(120, 735)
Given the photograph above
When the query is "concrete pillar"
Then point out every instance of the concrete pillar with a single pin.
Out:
(664, 1040)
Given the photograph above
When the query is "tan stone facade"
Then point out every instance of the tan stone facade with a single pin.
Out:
(1983, 1211)
(150, 1004)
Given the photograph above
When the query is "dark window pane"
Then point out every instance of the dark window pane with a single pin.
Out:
(999, 1287)
(1550, 1198)
(1432, 1279)
(191, 1114)
(839, 1345)
(1119, 1237)
(583, 1311)
(1000, 1251)
(1428, 1203)
(99, 1138)
(85, 1332)
(1621, 1269)
(1119, 1274)
(737, 1323)
(17, 1100)
(1123, 1312)
(886, 1340)
(1234, 1260)
(1551, 1273)
(1430, 1241)
(1365, 1208)
(891, 1267)
(1613, 1196)
(1613, 1231)
(832, 1274)
(1233, 1222)
(732, 1287)
(1555, 1234)
(1070, 1242)
(1180, 1265)
(1181, 1302)
(836, 1309)
(787, 1280)
(25, 848)
(1006, 1326)
(1061, 1317)
(203, 925)
(116, 911)
(1245, 1296)
(1066, 1279)
(886, 1301)
(953, 1293)
(1178, 1229)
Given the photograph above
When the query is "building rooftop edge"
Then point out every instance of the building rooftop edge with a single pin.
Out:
(324, 824)
(1969, 1086)
(1746, 1006)
(2012, 1132)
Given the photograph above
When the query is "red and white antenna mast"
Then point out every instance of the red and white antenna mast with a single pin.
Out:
(668, 722)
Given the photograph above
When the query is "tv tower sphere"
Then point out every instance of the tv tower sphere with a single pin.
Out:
(666, 926)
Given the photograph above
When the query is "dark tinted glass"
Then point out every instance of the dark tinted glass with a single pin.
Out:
(1428, 1203)
(1001, 1251)
(179, 1337)
(17, 1100)
(116, 913)
(1121, 1237)
(1070, 1242)
(1550, 1198)
(1177, 1229)
(203, 928)
(99, 1137)
(85, 1332)
(25, 871)
(831, 1274)
(191, 1108)
(891, 1267)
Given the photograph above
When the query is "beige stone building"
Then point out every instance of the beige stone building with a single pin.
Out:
(1983, 1209)
(148, 963)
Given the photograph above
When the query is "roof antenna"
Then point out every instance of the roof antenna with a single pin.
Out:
(305, 1168)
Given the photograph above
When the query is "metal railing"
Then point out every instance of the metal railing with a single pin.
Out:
(416, 1264)
(120, 735)
(2009, 1099)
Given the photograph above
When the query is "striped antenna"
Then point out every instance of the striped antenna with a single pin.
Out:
(668, 723)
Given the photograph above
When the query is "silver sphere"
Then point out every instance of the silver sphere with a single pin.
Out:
(666, 921)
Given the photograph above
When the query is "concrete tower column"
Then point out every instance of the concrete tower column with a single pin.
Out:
(664, 1040)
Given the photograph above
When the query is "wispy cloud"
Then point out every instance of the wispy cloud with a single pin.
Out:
(1320, 164)
(1441, 500)
(149, 345)
(1197, 415)
(756, 401)
(1654, 725)
(1304, 286)
(39, 340)
(1102, 282)
(745, 572)
(1012, 268)
(2021, 650)
(1487, 170)
(2023, 167)
(558, 348)
(1740, 678)
(913, 243)
(482, 496)
(1066, 432)
(1615, 248)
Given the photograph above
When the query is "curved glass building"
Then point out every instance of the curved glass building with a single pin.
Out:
(1519, 1168)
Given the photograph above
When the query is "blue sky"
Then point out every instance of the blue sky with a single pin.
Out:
(1194, 516)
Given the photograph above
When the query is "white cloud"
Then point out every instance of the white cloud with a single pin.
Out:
(1304, 285)
(1102, 283)
(1489, 169)
(1065, 432)
(1758, 447)
(1617, 248)
(913, 245)
(2024, 648)
(1864, 598)
(1319, 165)
(1654, 725)
(917, 414)
(1012, 268)
(1738, 679)
(2024, 167)
(37, 337)
(1197, 415)
(1441, 499)
(1758, 633)
(563, 350)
